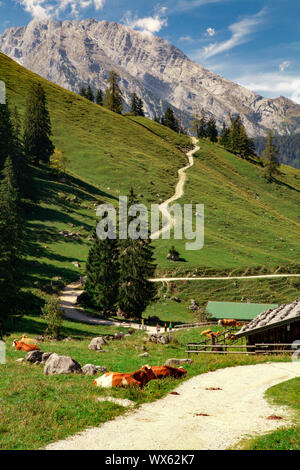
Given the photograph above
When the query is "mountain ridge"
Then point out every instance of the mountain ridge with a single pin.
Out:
(80, 52)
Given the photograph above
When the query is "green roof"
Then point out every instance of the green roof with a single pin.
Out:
(236, 310)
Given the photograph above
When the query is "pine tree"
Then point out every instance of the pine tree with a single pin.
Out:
(89, 94)
(224, 136)
(134, 104)
(140, 107)
(202, 130)
(212, 131)
(103, 275)
(37, 126)
(99, 98)
(238, 141)
(82, 92)
(113, 99)
(136, 267)
(156, 119)
(195, 124)
(270, 153)
(6, 133)
(11, 230)
(169, 120)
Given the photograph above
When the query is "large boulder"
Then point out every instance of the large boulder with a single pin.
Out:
(91, 369)
(160, 339)
(34, 356)
(97, 343)
(61, 365)
(178, 362)
(194, 306)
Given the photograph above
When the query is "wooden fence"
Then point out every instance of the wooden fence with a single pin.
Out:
(265, 349)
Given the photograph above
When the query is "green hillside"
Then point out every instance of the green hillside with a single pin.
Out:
(250, 226)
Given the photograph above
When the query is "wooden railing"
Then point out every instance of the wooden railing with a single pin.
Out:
(260, 348)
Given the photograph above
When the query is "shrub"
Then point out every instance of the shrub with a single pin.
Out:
(53, 314)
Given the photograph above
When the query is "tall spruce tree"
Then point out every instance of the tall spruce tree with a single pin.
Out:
(103, 275)
(99, 98)
(136, 267)
(202, 129)
(6, 134)
(224, 136)
(89, 94)
(11, 231)
(270, 154)
(212, 131)
(37, 126)
(82, 92)
(169, 120)
(140, 107)
(113, 98)
(195, 124)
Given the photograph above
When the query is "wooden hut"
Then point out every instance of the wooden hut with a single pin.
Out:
(274, 326)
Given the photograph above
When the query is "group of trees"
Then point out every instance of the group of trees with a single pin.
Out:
(288, 147)
(118, 273)
(112, 99)
(203, 127)
(235, 139)
(20, 145)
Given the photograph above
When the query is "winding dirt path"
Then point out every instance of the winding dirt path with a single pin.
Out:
(68, 302)
(223, 278)
(168, 219)
(197, 418)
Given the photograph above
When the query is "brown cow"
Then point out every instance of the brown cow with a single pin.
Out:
(116, 379)
(228, 323)
(24, 347)
(162, 372)
(27, 340)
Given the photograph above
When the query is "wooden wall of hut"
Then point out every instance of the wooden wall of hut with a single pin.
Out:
(282, 334)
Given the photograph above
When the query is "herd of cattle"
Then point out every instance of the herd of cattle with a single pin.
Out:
(139, 378)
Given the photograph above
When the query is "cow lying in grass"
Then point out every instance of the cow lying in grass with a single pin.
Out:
(162, 372)
(115, 379)
(27, 340)
(227, 323)
(19, 346)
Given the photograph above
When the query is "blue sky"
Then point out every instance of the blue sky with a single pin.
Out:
(253, 42)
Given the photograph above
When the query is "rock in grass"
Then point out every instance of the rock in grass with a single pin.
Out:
(97, 343)
(118, 401)
(178, 362)
(21, 359)
(61, 365)
(34, 356)
(91, 369)
(144, 354)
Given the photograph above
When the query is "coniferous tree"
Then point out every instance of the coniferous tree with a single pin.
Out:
(11, 229)
(103, 275)
(140, 107)
(156, 119)
(6, 134)
(134, 104)
(212, 131)
(99, 98)
(136, 267)
(238, 141)
(89, 94)
(224, 137)
(169, 120)
(113, 98)
(202, 130)
(195, 124)
(83, 92)
(37, 126)
(270, 154)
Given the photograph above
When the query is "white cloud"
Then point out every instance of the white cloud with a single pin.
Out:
(45, 8)
(185, 5)
(150, 24)
(210, 32)
(272, 85)
(284, 66)
(186, 39)
(241, 32)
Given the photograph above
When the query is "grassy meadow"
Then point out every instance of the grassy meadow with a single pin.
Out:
(37, 409)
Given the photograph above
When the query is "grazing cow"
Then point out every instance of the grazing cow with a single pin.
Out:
(211, 334)
(24, 347)
(162, 372)
(116, 379)
(205, 332)
(228, 323)
(27, 340)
